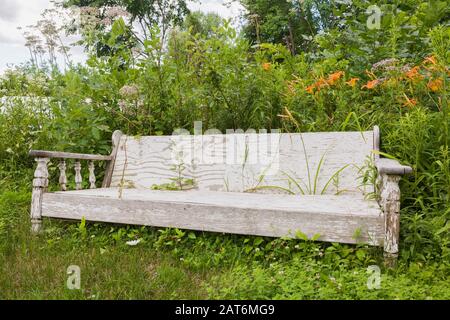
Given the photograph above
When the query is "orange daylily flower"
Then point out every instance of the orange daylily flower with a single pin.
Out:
(413, 73)
(431, 59)
(352, 82)
(435, 85)
(320, 83)
(332, 78)
(371, 84)
(317, 85)
(310, 89)
(266, 66)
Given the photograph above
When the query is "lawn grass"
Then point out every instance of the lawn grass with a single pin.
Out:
(175, 264)
(138, 273)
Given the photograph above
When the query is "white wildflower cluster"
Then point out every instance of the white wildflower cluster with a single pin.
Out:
(131, 101)
(123, 106)
(50, 32)
(40, 80)
(130, 108)
(91, 17)
(112, 13)
(44, 39)
(385, 63)
(89, 11)
(32, 40)
(88, 17)
(47, 27)
(129, 91)
(391, 64)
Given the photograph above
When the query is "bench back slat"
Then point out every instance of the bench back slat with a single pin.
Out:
(270, 163)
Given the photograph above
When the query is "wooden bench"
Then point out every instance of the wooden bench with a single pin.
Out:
(313, 184)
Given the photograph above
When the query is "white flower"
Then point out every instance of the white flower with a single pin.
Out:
(129, 91)
(133, 242)
(114, 12)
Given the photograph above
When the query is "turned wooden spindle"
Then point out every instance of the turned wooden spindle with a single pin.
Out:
(62, 175)
(78, 178)
(91, 167)
(40, 184)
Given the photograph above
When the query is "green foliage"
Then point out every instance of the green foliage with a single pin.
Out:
(168, 263)
(291, 23)
(348, 78)
(338, 29)
(146, 12)
(309, 279)
(223, 82)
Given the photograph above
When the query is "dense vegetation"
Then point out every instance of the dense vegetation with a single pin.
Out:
(186, 67)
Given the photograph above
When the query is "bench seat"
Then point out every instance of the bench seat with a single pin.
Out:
(337, 218)
(313, 184)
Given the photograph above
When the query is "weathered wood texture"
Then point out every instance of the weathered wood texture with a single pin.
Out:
(229, 171)
(144, 161)
(389, 174)
(335, 218)
(67, 155)
(62, 175)
(376, 142)
(390, 203)
(40, 184)
(92, 179)
(78, 177)
(110, 165)
(390, 166)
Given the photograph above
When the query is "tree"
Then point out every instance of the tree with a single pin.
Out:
(338, 29)
(144, 14)
(293, 23)
(202, 23)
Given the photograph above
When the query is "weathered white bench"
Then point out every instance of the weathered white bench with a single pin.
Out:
(312, 183)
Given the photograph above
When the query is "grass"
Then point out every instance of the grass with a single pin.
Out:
(176, 264)
(138, 273)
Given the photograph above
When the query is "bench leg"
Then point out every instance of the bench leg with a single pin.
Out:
(390, 202)
(390, 259)
(40, 184)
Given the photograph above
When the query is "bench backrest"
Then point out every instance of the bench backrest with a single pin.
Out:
(308, 163)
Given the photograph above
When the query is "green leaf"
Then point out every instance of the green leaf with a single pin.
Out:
(192, 235)
(315, 237)
(301, 235)
(360, 254)
(258, 241)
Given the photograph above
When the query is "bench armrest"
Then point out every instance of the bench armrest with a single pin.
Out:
(68, 155)
(41, 174)
(389, 175)
(391, 167)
